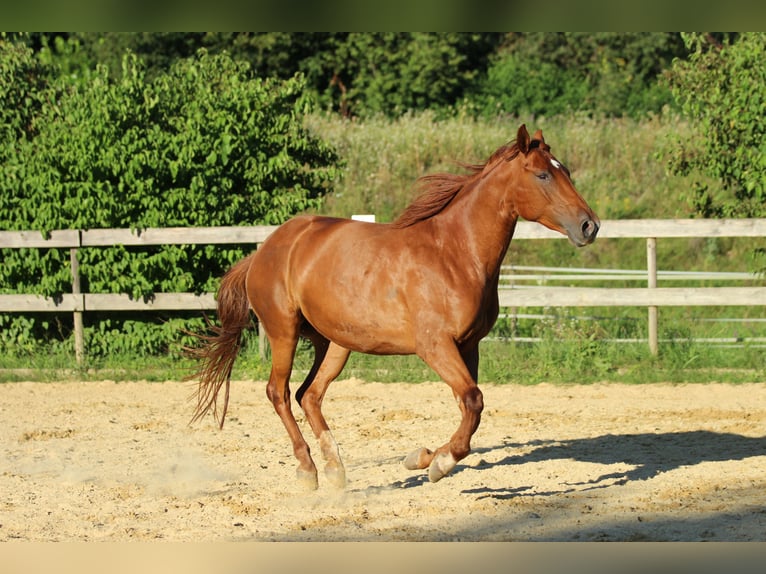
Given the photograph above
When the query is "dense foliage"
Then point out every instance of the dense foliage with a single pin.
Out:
(204, 144)
(723, 87)
(362, 74)
(610, 74)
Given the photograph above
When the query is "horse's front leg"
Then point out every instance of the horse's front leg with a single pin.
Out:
(459, 371)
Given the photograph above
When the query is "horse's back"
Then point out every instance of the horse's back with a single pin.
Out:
(340, 275)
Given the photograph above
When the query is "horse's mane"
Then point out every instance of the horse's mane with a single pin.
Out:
(439, 189)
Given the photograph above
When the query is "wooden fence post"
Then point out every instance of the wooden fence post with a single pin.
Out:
(79, 338)
(651, 261)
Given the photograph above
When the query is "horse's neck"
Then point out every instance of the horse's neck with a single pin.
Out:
(481, 224)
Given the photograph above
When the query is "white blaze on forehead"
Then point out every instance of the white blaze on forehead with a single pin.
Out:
(555, 163)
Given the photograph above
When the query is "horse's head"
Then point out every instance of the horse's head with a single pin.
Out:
(544, 191)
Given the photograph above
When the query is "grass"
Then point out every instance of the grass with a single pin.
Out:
(582, 360)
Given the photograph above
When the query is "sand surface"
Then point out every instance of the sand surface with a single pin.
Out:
(118, 461)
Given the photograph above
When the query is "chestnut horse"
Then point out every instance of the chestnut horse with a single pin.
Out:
(425, 284)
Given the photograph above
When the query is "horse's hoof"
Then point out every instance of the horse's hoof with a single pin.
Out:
(307, 479)
(418, 459)
(441, 466)
(336, 475)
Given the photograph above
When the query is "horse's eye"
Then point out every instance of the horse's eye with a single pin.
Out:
(543, 175)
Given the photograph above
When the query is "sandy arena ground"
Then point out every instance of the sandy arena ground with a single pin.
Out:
(118, 461)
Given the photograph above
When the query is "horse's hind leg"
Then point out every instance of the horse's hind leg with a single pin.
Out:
(278, 391)
(328, 363)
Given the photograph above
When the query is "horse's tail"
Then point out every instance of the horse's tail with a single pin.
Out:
(219, 348)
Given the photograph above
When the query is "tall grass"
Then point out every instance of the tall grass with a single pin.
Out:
(614, 162)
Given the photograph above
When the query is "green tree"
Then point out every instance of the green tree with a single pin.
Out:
(392, 73)
(722, 88)
(24, 91)
(354, 73)
(517, 86)
(607, 73)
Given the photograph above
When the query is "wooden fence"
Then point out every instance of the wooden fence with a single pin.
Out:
(516, 296)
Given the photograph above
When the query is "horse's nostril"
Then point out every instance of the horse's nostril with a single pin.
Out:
(589, 228)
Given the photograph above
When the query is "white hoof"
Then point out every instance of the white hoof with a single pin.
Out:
(441, 466)
(418, 459)
(307, 480)
(335, 474)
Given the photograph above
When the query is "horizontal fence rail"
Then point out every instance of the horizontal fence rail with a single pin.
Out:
(513, 295)
(541, 275)
(632, 297)
(82, 302)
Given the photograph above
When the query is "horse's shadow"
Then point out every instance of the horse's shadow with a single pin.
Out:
(650, 454)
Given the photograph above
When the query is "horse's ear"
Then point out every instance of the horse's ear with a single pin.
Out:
(539, 136)
(522, 139)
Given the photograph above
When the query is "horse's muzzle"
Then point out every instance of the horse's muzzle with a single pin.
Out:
(586, 233)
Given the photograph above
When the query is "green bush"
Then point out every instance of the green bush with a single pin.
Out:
(205, 144)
